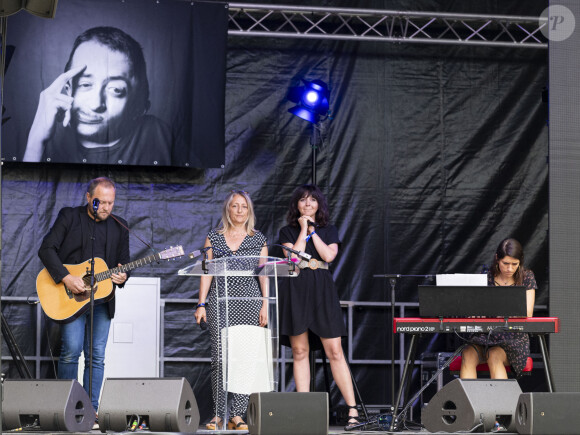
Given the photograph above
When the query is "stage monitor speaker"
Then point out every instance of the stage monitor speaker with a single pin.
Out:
(168, 404)
(463, 404)
(55, 405)
(288, 413)
(548, 413)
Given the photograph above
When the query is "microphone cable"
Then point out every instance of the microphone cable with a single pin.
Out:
(155, 251)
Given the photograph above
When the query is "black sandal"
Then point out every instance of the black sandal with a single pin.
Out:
(353, 421)
(240, 425)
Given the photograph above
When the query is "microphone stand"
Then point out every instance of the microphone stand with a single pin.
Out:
(393, 282)
(92, 300)
(291, 264)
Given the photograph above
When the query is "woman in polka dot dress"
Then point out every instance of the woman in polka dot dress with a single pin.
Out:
(235, 237)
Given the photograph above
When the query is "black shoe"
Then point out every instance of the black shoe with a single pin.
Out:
(353, 421)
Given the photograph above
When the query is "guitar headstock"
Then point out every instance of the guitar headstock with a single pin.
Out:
(171, 252)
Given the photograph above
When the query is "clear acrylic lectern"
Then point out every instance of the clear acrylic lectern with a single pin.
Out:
(248, 354)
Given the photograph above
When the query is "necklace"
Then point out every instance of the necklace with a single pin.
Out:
(235, 239)
(505, 282)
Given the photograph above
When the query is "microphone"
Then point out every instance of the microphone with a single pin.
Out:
(301, 254)
(203, 325)
(199, 252)
(96, 203)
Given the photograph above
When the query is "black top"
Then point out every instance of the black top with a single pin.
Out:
(310, 302)
(148, 143)
(100, 238)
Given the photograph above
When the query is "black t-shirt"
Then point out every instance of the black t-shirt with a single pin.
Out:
(148, 143)
(100, 238)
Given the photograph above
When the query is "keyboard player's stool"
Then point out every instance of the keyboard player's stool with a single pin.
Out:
(455, 367)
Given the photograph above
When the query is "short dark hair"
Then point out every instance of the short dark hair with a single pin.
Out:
(322, 214)
(117, 40)
(99, 181)
(510, 248)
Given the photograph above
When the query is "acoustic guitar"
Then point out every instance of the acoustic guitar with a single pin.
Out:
(63, 306)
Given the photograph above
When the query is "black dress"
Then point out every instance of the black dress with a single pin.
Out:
(310, 302)
(516, 345)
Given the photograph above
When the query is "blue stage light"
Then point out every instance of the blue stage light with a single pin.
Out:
(312, 99)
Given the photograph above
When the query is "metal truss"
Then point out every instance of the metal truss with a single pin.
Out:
(247, 19)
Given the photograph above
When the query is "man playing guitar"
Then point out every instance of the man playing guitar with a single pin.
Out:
(70, 241)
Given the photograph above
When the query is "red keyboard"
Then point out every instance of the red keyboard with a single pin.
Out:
(420, 325)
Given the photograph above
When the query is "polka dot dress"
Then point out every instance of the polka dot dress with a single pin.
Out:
(239, 312)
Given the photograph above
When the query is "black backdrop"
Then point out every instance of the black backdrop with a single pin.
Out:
(433, 156)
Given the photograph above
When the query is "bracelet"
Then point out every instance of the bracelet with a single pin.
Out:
(202, 304)
(309, 236)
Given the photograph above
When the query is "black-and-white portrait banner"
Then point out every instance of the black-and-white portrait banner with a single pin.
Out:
(132, 82)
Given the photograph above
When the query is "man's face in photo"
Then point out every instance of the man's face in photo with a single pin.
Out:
(102, 93)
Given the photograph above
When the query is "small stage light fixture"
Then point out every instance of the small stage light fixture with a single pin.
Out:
(312, 99)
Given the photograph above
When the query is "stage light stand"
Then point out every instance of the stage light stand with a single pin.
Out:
(315, 141)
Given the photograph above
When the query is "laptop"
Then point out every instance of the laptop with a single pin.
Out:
(467, 301)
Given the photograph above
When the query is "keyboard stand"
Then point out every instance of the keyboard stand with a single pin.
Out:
(410, 363)
(546, 359)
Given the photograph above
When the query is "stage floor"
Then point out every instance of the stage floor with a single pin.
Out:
(333, 430)
(336, 430)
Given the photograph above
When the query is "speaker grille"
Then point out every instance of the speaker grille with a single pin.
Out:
(168, 404)
(288, 414)
(57, 405)
(461, 405)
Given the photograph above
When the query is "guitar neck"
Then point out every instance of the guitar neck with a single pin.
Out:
(126, 267)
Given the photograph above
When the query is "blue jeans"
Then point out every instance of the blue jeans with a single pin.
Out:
(75, 338)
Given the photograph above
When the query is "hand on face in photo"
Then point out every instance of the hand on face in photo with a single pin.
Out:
(54, 105)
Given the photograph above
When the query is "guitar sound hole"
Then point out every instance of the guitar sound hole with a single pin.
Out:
(87, 281)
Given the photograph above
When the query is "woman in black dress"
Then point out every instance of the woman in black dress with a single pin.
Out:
(235, 237)
(501, 349)
(310, 313)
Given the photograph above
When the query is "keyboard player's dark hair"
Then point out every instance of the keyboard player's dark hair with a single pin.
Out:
(510, 248)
